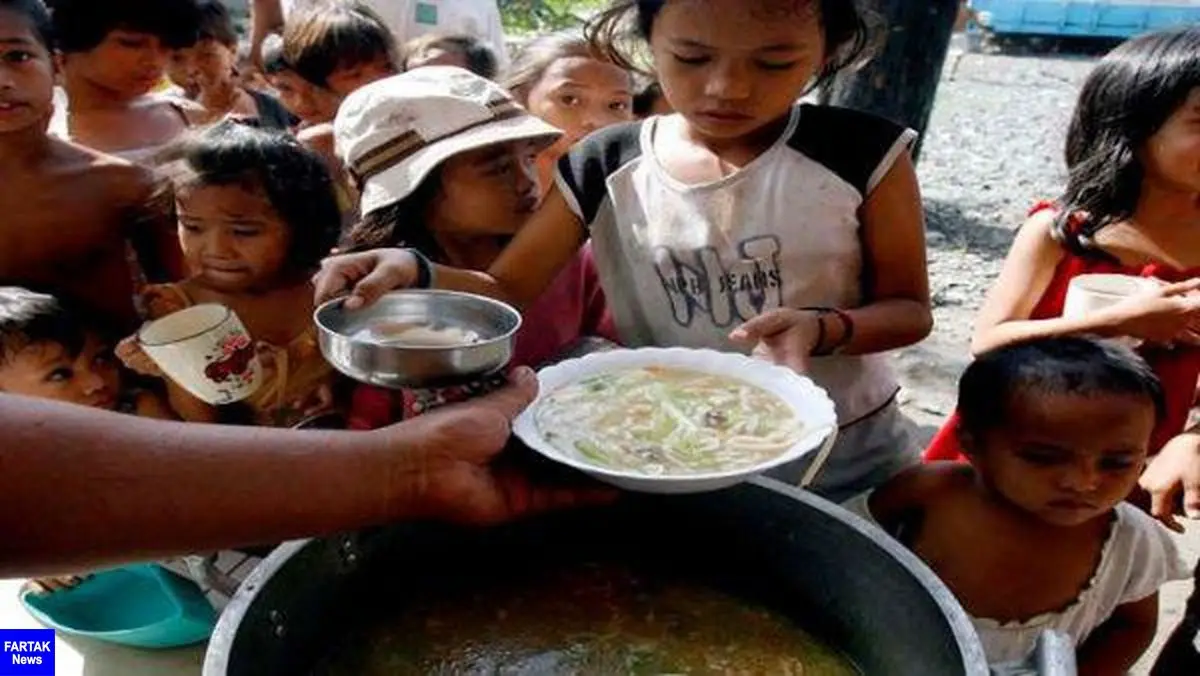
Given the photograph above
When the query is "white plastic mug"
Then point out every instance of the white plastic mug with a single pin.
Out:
(1090, 293)
(207, 351)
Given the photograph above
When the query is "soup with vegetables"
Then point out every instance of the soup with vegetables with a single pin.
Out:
(588, 619)
(667, 422)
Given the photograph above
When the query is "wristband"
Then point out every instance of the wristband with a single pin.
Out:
(822, 350)
(424, 270)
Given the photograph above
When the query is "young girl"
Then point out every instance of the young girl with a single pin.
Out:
(458, 198)
(211, 65)
(1034, 534)
(562, 79)
(1132, 206)
(744, 221)
(312, 105)
(256, 214)
(113, 55)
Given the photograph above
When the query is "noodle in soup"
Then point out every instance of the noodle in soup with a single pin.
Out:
(667, 422)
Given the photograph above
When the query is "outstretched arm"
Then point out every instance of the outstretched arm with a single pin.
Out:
(82, 488)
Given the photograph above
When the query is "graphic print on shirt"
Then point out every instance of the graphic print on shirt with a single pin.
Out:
(726, 292)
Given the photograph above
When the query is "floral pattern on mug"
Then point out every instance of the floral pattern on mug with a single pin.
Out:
(233, 365)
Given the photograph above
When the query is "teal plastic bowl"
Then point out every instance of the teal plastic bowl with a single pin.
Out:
(145, 606)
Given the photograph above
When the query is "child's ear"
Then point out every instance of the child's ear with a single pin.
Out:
(969, 442)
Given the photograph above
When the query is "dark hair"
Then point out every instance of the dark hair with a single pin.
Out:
(1076, 366)
(81, 25)
(480, 58)
(646, 97)
(399, 224)
(848, 33)
(274, 61)
(28, 318)
(1126, 99)
(531, 63)
(324, 38)
(35, 12)
(294, 179)
(217, 24)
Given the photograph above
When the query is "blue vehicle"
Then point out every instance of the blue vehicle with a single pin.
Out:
(1117, 19)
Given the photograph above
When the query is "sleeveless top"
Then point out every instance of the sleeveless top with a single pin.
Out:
(1178, 369)
(300, 369)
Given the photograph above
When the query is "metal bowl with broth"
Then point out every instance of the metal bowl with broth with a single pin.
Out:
(418, 338)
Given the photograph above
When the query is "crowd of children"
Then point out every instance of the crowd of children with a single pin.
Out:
(702, 208)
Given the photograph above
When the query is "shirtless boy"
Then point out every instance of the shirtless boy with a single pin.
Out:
(68, 215)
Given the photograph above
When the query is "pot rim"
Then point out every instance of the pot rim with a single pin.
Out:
(216, 659)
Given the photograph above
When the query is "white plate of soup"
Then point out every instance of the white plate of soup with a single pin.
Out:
(675, 420)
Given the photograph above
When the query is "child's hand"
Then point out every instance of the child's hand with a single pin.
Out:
(784, 336)
(1175, 469)
(365, 276)
(49, 585)
(1167, 315)
(135, 358)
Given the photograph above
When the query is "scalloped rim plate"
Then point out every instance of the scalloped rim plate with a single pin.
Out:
(811, 404)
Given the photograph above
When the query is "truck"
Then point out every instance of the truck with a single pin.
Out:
(1107, 19)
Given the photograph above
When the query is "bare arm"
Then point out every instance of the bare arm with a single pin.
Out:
(526, 267)
(897, 311)
(1114, 647)
(83, 488)
(266, 17)
(152, 229)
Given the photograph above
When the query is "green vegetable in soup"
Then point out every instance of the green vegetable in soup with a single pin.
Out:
(671, 422)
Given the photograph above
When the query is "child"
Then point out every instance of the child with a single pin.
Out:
(562, 79)
(1130, 207)
(256, 215)
(312, 106)
(338, 48)
(48, 351)
(70, 214)
(113, 55)
(458, 198)
(212, 66)
(464, 51)
(1034, 533)
(744, 221)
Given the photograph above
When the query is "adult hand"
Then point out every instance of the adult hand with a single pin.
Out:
(1175, 470)
(784, 336)
(364, 276)
(1167, 315)
(454, 448)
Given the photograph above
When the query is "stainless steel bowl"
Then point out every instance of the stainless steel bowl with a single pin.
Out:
(398, 366)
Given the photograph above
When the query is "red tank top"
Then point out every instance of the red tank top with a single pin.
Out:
(1178, 369)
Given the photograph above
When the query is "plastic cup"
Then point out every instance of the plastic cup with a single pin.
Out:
(207, 351)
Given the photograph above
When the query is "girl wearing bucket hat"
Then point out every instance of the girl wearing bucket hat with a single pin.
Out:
(445, 163)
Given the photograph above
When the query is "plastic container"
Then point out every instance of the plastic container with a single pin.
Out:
(143, 605)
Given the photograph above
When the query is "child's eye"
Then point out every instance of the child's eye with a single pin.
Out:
(569, 100)
(1041, 457)
(246, 232)
(772, 65)
(60, 375)
(131, 43)
(18, 56)
(1116, 463)
(189, 227)
(691, 60)
(619, 106)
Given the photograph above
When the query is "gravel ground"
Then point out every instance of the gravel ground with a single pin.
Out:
(994, 148)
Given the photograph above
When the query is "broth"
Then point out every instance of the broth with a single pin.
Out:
(664, 422)
(594, 619)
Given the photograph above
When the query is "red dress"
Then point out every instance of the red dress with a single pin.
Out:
(1178, 369)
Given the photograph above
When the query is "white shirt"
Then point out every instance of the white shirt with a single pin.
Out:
(683, 265)
(409, 19)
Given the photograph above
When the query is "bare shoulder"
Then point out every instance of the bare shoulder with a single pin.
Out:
(923, 487)
(318, 137)
(91, 171)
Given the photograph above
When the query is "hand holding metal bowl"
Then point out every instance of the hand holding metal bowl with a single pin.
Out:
(356, 342)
